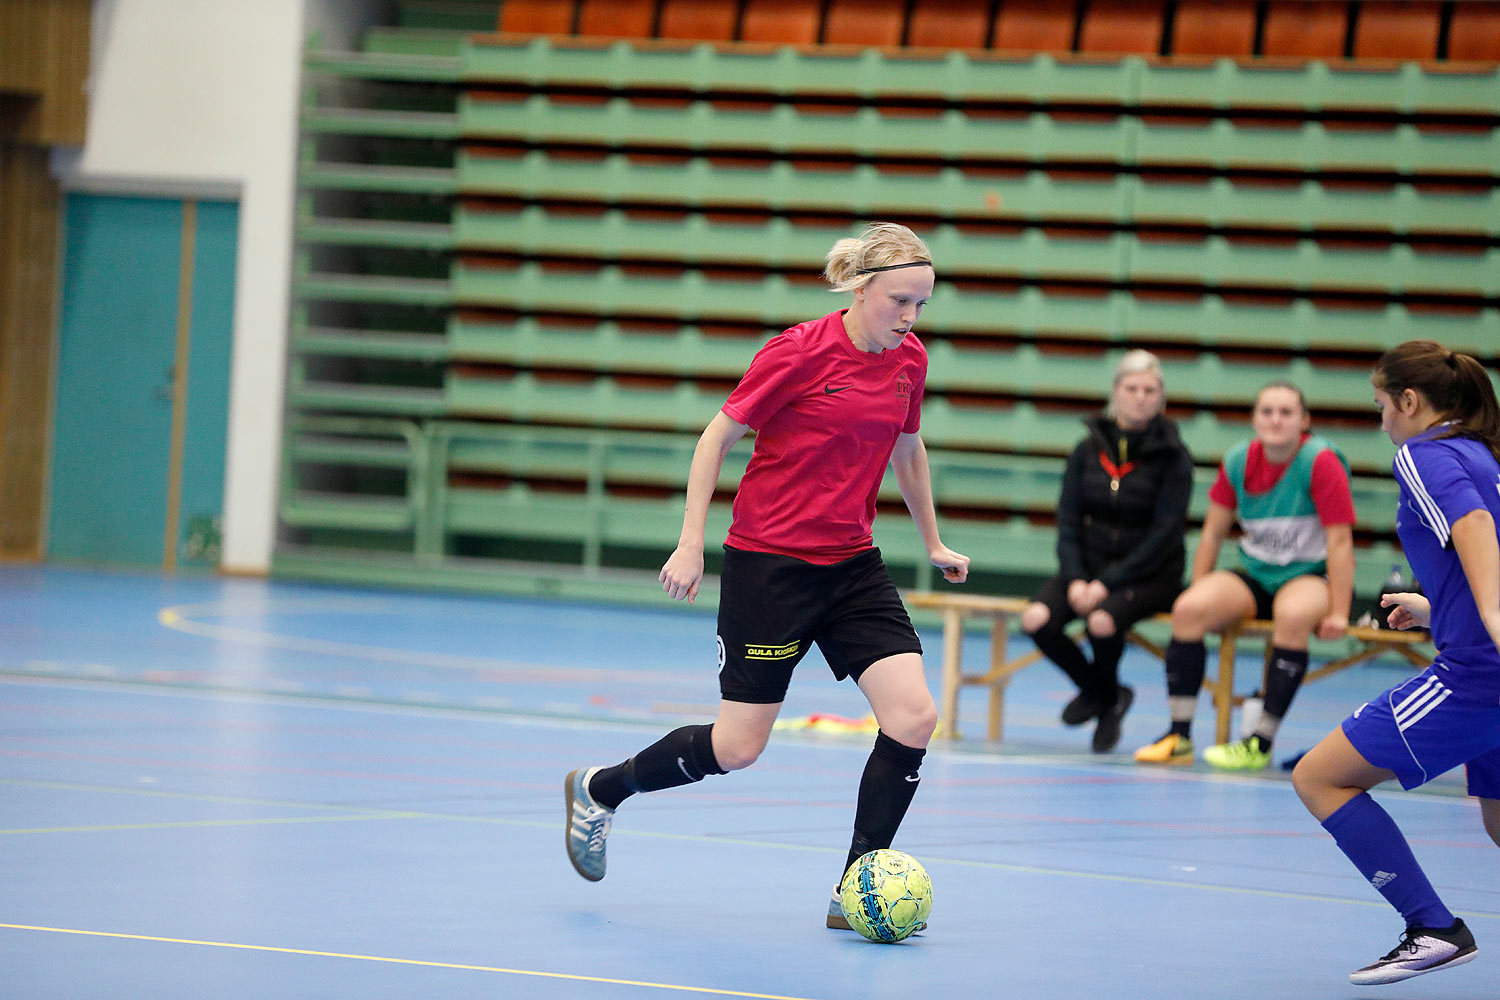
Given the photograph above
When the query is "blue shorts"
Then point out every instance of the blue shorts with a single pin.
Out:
(1422, 728)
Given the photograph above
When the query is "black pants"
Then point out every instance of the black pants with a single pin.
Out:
(1098, 678)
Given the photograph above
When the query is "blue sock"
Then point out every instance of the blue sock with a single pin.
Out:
(1370, 838)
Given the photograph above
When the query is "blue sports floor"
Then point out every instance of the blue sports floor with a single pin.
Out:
(244, 789)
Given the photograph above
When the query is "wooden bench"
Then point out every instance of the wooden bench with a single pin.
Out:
(957, 608)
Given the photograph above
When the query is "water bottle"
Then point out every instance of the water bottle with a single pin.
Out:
(1393, 584)
(1251, 710)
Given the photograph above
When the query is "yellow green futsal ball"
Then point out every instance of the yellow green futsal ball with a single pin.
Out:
(886, 895)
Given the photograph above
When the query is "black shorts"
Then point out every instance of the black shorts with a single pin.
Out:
(1264, 599)
(771, 607)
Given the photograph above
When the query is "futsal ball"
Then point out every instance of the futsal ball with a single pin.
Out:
(886, 895)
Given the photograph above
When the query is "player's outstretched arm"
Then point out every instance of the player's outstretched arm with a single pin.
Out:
(683, 570)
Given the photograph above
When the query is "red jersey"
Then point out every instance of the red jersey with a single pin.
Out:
(1330, 483)
(826, 417)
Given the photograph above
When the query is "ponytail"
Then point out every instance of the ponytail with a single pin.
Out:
(1456, 385)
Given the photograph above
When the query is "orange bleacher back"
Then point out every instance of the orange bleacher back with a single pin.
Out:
(708, 20)
(791, 22)
(1214, 28)
(617, 18)
(1035, 26)
(863, 22)
(1305, 30)
(1397, 30)
(1121, 26)
(949, 24)
(537, 17)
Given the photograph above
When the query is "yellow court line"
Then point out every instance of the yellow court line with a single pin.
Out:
(404, 961)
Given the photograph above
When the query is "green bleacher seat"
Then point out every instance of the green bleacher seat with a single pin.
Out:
(602, 347)
(376, 233)
(413, 41)
(372, 288)
(360, 343)
(1316, 86)
(776, 303)
(870, 74)
(873, 74)
(777, 243)
(1306, 265)
(427, 181)
(596, 460)
(1309, 204)
(701, 182)
(378, 65)
(1314, 147)
(1010, 546)
(999, 482)
(381, 400)
(1024, 370)
(1035, 138)
(384, 124)
(313, 510)
(599, 402)
(611, 292)
(1210, 320)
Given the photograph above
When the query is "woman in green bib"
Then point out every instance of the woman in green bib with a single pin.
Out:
(1290, 493)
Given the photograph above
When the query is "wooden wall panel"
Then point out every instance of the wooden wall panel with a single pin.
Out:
(44, 54)
(30, 203)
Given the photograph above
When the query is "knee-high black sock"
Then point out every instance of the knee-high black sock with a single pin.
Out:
(1186, 664)
(1283, 678)
(885, 791)
(1063, 651)
(1107, 653)
(681, 757)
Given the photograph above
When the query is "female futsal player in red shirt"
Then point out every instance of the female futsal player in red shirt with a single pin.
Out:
(832, 401)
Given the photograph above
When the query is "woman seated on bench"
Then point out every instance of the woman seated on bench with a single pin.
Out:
(1291, 492)
(1120, 523)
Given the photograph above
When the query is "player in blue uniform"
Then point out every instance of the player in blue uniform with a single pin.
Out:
(1440, 411)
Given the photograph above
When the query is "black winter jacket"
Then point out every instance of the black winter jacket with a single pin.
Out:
(1121, 536)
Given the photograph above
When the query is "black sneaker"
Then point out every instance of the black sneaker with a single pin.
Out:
(1080, 710)
(1421, 950)
(1107, 732)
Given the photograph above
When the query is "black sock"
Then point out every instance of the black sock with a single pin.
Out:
(1107, 653)
(681, 757)
(1063, 651)
(1186, 664)
(1283, 678)
(885, 791)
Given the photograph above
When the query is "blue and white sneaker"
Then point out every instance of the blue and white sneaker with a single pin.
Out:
(587, 825)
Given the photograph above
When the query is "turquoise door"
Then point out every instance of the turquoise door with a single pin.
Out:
(138, 446)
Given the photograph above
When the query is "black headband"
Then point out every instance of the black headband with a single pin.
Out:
(894, 267)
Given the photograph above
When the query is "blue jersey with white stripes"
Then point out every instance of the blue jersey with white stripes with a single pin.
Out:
(1441, 481)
